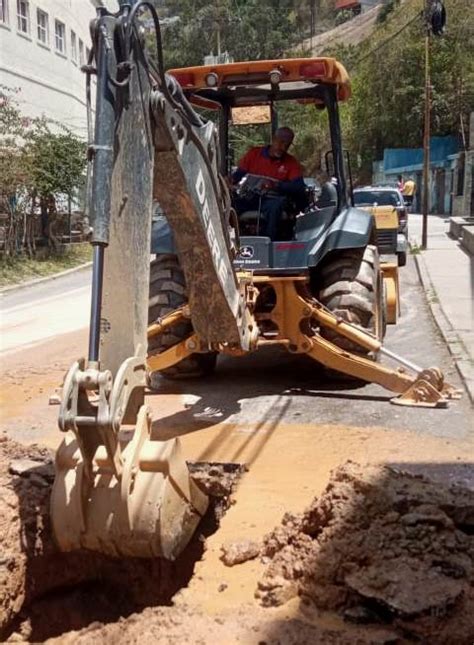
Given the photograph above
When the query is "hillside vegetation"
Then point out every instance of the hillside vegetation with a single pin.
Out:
(383, 51)
(387, 71)
(350, 32)
(247, 29)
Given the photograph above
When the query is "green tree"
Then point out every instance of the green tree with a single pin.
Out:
(56, 170)
(14, 169)
(387, 105)
(38, 165)
(247, 29)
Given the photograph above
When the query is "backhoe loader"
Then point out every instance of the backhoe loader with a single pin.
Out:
(118, 489)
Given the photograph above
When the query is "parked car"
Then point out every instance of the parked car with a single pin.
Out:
(385, 202)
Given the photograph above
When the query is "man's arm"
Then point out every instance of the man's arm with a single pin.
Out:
(292, 186)
(243, 167)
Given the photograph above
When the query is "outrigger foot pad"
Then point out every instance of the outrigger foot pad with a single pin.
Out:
(428, 390)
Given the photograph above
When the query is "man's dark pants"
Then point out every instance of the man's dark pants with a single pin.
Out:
(270, 207)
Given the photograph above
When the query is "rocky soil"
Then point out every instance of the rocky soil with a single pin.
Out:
(380, 546)
(245, 624)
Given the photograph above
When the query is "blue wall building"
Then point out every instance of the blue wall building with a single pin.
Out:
(408, 162)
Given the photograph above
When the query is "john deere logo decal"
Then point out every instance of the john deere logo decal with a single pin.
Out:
(246, 252)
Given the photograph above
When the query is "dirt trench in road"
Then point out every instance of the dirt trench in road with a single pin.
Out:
(43, 592)
(320, 575)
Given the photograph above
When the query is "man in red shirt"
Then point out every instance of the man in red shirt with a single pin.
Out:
(284, 179)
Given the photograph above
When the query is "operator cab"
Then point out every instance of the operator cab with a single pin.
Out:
(248, 95)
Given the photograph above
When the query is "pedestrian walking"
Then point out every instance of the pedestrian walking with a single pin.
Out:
(408, 192)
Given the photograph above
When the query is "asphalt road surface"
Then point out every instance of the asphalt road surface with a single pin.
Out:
(33, 314)
(43, 331)
(273, 384)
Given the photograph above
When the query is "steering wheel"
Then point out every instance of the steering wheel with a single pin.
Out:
(251, 185)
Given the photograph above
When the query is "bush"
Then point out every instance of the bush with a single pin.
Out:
(38, 167)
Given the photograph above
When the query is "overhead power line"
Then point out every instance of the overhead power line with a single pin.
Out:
(390, 38)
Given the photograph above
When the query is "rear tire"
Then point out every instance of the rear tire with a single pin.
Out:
(167, 293)
(351, 287)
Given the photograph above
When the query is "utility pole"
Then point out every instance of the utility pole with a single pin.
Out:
(312, 8)
(219, 21)
(426, 134)
(219, 39)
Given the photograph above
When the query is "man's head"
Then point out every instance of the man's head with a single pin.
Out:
(281, 141)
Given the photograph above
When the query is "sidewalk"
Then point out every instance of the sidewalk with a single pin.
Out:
(44, 279)
(447, 274)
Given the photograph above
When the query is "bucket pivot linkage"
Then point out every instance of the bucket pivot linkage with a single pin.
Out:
(119, 491)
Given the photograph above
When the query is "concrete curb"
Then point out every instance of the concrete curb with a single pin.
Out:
(46, 278)
(453, 341)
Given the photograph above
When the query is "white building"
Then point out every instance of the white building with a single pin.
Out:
(43, 44)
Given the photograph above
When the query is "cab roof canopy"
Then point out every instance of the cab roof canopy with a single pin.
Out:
(262, 81)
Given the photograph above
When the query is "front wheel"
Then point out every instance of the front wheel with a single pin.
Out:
(167, 293)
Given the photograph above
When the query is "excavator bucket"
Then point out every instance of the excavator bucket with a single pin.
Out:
(152, 510)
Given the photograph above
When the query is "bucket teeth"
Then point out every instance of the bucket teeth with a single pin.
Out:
(152, 510)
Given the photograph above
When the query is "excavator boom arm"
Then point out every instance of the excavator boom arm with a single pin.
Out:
(194, 196)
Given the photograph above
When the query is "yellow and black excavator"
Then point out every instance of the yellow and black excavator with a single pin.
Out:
(318, 289)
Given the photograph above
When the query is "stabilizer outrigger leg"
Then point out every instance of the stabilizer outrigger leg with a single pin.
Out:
(296, 316)
(416, 386)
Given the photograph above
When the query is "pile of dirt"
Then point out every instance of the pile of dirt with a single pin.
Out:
(380, 546)
(43, 592)
(390, 552)
(243, 624)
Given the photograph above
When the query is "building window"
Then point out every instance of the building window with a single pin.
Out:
(81, 52)
(4, 12)
(73, 46)
(60, 36)
(88, 53)
(43, 26)
(23, 16)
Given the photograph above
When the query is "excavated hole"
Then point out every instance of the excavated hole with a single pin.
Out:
(468, 529)
(64, 592)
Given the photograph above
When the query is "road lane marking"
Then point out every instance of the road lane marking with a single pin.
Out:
(48, 300)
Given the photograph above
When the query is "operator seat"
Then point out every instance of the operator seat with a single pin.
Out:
(251, 222)
(328, 196)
